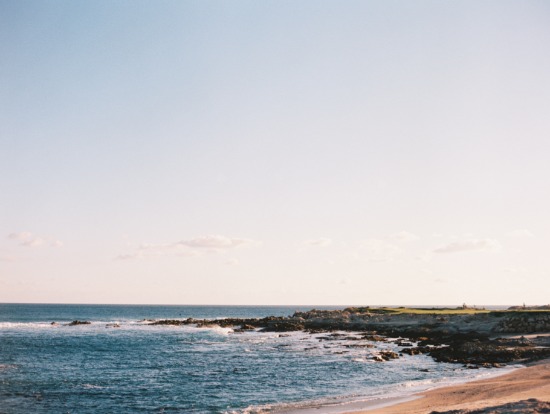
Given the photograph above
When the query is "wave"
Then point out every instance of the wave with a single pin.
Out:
(113, 324)
(329, 405)
(12, 325)
(383, 396)
(93, 387)
(361, 383)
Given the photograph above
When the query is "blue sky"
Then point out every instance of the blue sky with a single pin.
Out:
(274, 152)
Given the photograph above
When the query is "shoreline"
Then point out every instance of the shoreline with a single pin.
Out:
(523, 383)
(370, 404)
(404, 338)
(357, 406)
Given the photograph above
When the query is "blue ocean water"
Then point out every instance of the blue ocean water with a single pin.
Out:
(139, 368)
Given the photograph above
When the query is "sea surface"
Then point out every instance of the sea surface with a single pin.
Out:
(139, 368)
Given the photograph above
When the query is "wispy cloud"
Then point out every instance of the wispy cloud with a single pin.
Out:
(440, 280)
(405, 236)
(187, 248)
(520, 233)
(28, 239)
(425, 256)
(158, 250)
(376, 250)
(215, 242)
(320, 242)
(515, 270)
(233, 262)
(469, 246)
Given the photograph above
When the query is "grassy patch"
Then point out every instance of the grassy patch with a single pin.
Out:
(418, 311)
(439, 311)
(445, 311)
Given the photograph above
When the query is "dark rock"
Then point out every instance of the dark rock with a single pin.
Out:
(283, 326)
(359, 345)
(531, 405)
(387, 355)
(449, 337)
(416, 350)
(176, 322)
(76, 322)
(486, 352)
(374, 338)
(315, 331)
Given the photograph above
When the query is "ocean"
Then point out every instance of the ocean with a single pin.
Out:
(139, 368)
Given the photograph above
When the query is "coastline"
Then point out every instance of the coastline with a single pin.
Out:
(387, 359)
(532, 381)
(370, 404)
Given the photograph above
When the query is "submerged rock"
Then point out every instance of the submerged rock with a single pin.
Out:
(77, 322)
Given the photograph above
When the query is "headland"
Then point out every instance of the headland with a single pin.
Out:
(476, 337)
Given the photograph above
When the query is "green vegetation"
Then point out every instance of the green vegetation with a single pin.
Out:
(462, 310)
(437, 311)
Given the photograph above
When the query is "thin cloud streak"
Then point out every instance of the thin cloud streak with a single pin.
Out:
(215, 242)
(376, 250)
(233, 262)
(28, 239)
(187, 248)
(520, 233)
(320, 242)
(479, 245)
(405, 236)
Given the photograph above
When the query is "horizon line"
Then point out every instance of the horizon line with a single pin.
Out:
(257, 305)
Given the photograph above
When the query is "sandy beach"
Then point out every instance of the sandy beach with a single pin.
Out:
(522, 384)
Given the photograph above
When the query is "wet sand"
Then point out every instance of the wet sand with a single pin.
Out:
(522, 384)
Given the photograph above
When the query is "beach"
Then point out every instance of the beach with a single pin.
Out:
(522, 384)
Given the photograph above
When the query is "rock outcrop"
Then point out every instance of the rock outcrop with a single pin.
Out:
(77, 322)
(524, 322)
(531, 405)
(459, 337)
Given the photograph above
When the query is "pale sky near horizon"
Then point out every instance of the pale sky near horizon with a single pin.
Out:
(275, 152)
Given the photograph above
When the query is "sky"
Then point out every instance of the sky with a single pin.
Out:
(275, 152)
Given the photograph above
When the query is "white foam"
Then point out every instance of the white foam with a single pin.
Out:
(36, 325)
(381, 397)
(91, 386)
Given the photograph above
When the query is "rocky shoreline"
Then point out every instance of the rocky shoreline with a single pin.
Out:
(532, 405)
(476, 339)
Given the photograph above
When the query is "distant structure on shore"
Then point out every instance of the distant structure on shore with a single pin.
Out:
(464, 306)
(542, 307)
